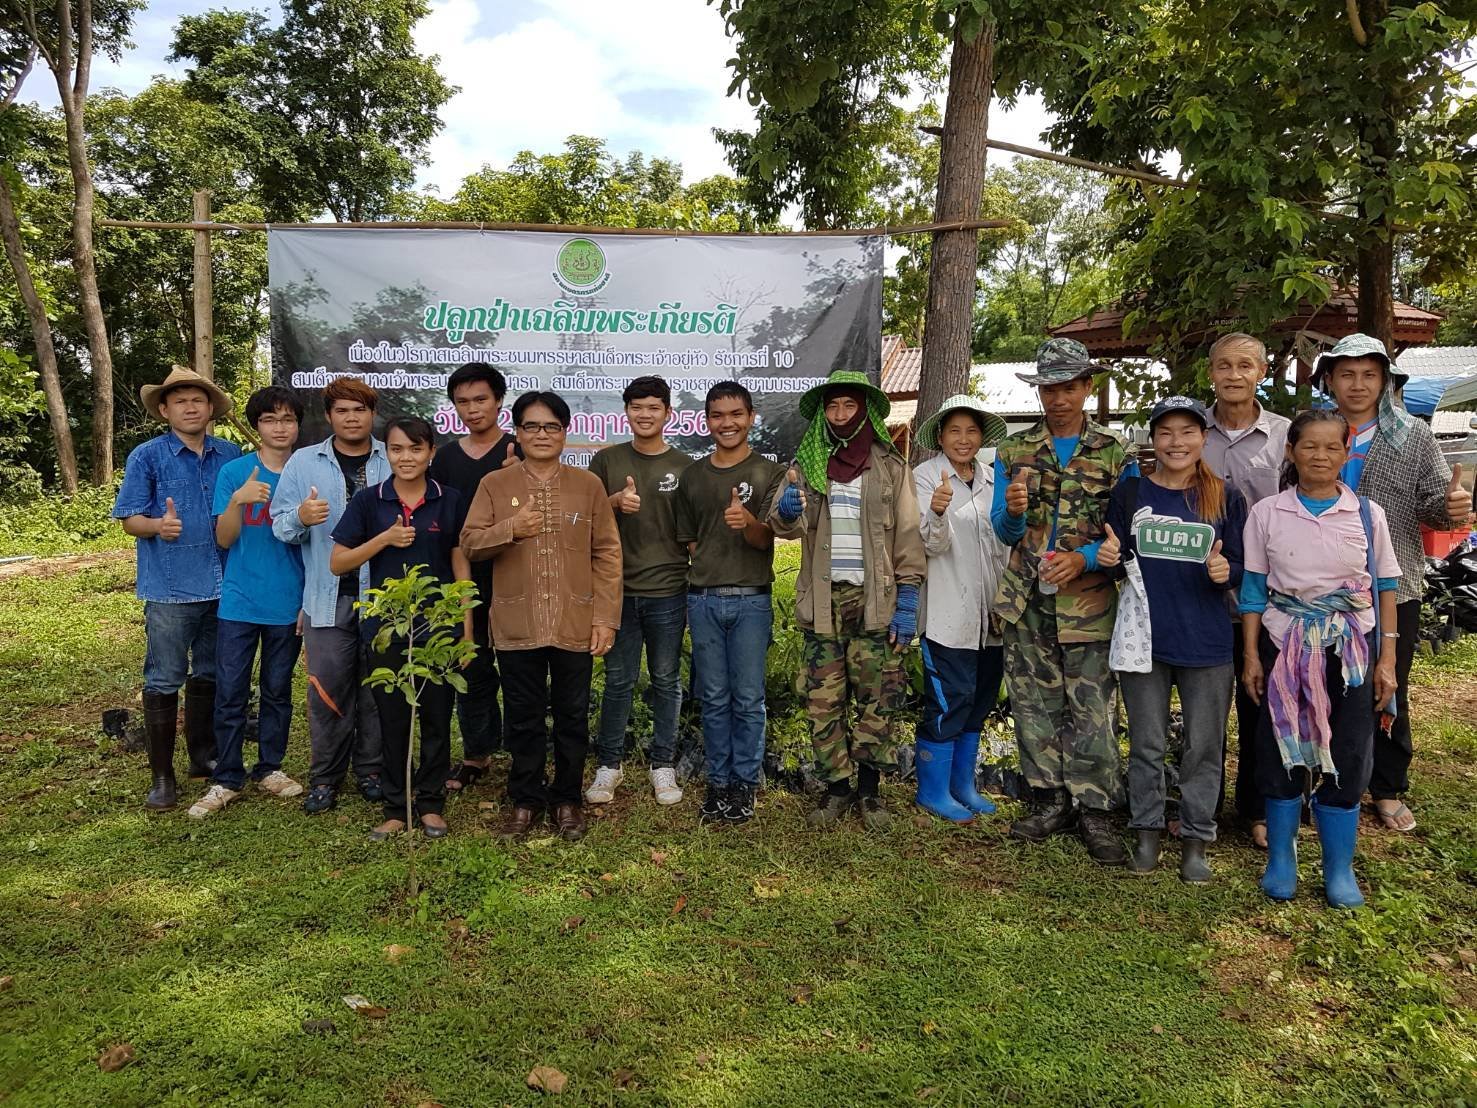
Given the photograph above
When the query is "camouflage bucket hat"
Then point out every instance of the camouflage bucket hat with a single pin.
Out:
(994, 427)
(877, 402)
(1358, 346)
(1059, 361)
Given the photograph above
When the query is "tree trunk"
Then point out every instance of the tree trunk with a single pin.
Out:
(1376, 290)
(51, 381)
(953, 268)
(1376, 252)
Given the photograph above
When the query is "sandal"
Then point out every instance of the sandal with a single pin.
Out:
(464, 775)
(386, 829)
(1399, 818)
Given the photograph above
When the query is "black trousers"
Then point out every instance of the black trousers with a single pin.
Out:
(1249, 806)
(433, 719)
(1351, 744)
(536, 684)
(1391, 776)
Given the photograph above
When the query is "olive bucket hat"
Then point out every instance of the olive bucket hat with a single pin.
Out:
(1059, 361)
(993, 426)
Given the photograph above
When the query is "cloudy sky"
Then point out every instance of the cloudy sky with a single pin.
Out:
(647, 75)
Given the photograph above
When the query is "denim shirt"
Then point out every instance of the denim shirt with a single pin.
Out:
(190, 568)
(310, 467)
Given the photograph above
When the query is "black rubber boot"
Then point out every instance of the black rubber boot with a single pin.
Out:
(161, 715)
(200, 725)
(1194, 869)
(1146, 852)
(1102, 841)
(1051, 813)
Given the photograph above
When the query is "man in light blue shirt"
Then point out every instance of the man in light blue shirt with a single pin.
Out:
(164, 503)
(311, 495)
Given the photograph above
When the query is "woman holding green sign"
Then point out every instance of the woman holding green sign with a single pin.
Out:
(1180, 527)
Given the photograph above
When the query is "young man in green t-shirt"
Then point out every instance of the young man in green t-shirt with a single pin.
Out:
(642, 477)
(722, 505)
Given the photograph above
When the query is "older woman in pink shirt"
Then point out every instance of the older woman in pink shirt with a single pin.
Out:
(1320, 657)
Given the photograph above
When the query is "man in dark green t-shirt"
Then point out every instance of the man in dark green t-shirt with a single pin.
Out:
(721, 507)
(642, 477)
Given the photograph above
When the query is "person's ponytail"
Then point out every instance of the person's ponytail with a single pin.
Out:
(1210, 494)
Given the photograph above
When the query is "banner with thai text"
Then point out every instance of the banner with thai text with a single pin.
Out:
(578, 314)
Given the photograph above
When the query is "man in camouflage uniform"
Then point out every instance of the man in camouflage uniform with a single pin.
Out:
(1051, 495)
(849, 498)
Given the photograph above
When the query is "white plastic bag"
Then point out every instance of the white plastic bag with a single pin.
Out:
(1132, 648)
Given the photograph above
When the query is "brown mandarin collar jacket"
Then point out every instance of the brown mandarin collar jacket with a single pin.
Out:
(552, 588)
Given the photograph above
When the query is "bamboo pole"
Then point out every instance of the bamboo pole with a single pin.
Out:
(559, 228)
(204, 317)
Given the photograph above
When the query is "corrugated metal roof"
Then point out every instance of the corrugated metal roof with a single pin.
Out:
(1008, 395)
(902, 413)
(1438, 361)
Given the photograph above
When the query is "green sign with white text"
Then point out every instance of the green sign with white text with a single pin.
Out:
(1174, 540)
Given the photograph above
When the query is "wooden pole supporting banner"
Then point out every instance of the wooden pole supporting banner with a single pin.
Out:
(204, 317)
(558, 228)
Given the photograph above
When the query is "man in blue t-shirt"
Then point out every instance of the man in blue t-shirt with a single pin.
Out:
(261, 598)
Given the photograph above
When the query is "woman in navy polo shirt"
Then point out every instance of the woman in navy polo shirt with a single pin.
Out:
(407, 520)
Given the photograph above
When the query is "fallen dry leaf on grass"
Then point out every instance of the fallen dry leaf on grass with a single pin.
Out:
(705, 914)
(703, 1059)
(546, 1079)
(365, 1008)
(430, 1104)
(571, 923)
(681, 904)
(659, 857)
(801, 994)
(115, 1058)
(457, 929)
(394, 952)
(624, 1079)
(318, 1027)
(6, 982)
(486, 806)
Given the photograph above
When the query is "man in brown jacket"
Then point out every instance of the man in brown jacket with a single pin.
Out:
(556, 606)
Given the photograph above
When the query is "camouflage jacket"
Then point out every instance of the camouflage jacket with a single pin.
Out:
(1077, 499)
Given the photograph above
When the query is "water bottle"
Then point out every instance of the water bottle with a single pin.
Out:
(1047, 589)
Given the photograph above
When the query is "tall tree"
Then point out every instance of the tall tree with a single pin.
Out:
(1313, 133)
(20, 57)
(67, 37)
(333, 106)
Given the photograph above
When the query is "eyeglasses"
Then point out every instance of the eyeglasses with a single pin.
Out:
(535, 428)
(276, 421)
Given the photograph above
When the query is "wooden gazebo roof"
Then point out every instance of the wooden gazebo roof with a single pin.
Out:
(1102, 332)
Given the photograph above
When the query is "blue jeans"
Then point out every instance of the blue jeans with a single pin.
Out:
(657, 622)
(730, 638)
(180, 643)
(236, 650)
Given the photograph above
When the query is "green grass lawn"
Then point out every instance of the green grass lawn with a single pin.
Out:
(657, 963)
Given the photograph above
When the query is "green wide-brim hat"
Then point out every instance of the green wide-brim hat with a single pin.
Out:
(877, 402)
(994, 427)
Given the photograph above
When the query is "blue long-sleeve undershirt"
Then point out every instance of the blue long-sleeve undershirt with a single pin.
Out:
(1254, 596)
(1011, 529)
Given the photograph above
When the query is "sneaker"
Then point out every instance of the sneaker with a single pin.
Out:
(371, 789)
(216, 798)
(320, 798)
(715, 804)
(664, 784)
(602, 789)
(740, 806)
(280, 785)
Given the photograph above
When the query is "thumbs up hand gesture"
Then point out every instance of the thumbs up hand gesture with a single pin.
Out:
(736, 515)
(1111, 551)
(253, 491)
(398, 534)
(313, 510)
(1217, 566)
(527, 522)
(938, 503)
(1018, 493)
(509, 458)
(170, 526)
(1458, 499)
(791, 504)
(627, 500)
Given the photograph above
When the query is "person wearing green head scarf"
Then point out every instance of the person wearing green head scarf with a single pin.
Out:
(849, 498)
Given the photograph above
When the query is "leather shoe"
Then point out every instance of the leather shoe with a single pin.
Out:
(571, 821)
(517, 823)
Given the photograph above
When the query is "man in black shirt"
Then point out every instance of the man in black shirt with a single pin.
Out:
(477, 391)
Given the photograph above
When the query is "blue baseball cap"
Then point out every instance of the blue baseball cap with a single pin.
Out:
(1187, 404)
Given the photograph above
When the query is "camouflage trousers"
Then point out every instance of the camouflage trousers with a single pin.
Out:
(850, 673)
(1060, 697)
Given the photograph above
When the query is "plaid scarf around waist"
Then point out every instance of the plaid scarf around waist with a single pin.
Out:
(1297, 687)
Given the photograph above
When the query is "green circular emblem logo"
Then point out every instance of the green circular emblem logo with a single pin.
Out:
(581, 262)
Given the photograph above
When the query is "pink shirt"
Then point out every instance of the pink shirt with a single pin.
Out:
(1307, 556)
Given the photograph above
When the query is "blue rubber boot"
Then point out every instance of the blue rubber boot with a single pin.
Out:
(961, 774)
(1337, 830)
(1280, 881)
(934, 763)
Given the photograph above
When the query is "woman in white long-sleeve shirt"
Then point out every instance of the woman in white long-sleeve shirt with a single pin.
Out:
(962, 662)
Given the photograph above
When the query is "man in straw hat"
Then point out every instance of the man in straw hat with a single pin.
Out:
(963, 659)
(1052, 484)
(1393, 460)
(165, 503)
(849, 497)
